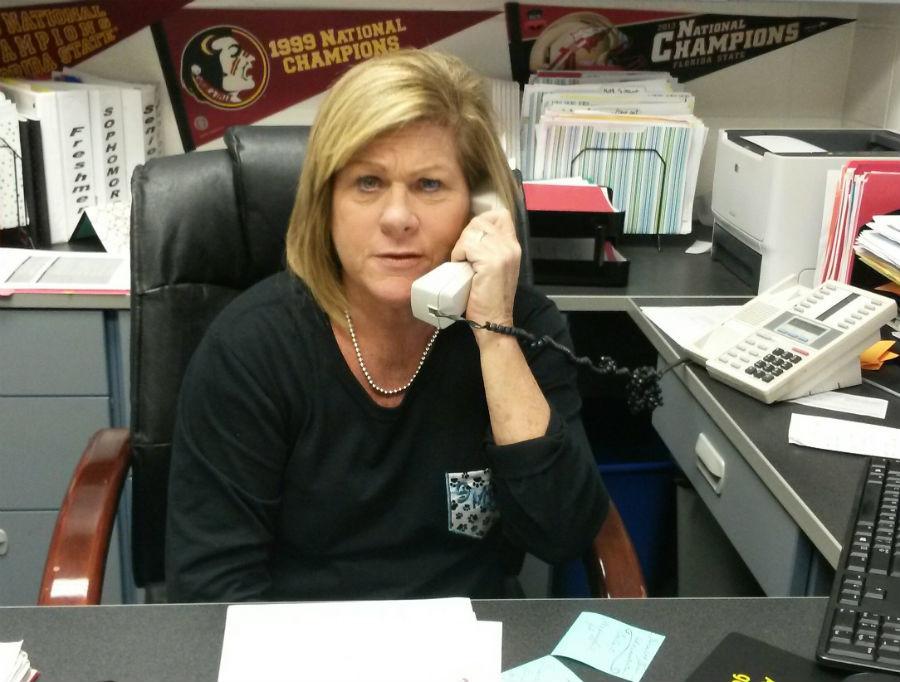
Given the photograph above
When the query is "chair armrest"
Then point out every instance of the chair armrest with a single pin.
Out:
(76, 560)
(612, 564)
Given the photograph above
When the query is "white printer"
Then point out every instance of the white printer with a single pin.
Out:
(769, 193)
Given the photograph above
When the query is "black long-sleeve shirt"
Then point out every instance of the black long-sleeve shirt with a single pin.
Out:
(288, 482)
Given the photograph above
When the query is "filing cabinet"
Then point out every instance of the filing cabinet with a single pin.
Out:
(767, 539)
(61, 379)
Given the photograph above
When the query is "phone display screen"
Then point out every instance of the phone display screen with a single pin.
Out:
(801, 330)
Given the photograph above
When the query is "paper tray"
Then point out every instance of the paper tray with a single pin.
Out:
(577, 248)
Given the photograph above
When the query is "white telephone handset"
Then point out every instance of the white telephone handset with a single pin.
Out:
(792, 341)
(446, 288)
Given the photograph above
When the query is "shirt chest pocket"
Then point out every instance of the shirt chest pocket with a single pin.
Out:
(471, 505)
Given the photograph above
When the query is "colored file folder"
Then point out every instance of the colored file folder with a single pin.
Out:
(866, 188)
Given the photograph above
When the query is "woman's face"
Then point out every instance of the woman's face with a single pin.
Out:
(397, 210)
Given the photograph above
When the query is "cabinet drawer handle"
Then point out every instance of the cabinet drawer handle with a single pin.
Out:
(4, 543)
(710, 463)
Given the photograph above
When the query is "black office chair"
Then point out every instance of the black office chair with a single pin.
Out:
(205, 226)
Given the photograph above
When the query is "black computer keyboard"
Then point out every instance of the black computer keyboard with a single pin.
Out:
(862, 623)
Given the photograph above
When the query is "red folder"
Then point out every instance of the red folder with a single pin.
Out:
(573, 198)
(879, 194)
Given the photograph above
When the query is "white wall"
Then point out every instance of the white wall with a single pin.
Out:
(873, 90)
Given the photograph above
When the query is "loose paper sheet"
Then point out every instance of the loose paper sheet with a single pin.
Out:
(35, 271)
(877, 354)
(784, 144)
(842, 435)
(699, 246)
(889, 287)
(610, 645)
(686, 324)
(391, 641)
(845, 402)
(546, 669)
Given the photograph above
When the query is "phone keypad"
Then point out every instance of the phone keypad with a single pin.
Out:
(757, 358)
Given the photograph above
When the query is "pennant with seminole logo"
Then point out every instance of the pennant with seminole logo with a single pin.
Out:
(230, 67)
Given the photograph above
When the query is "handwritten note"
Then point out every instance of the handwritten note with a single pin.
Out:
(546, 669)
(610, 646)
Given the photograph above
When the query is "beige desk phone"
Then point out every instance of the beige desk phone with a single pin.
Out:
(445, 289)
(792, 341)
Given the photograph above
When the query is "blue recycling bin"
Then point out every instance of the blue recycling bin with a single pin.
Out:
(644, 493)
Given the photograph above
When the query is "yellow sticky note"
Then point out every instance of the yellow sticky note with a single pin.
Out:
(877, 354)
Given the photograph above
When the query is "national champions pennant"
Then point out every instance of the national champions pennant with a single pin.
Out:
(39, 39)
(232, 67)
(686, 45)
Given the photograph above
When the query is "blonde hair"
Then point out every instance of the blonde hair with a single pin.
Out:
(374, 98)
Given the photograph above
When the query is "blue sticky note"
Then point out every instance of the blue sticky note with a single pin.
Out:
(610, 645)
(546, 669)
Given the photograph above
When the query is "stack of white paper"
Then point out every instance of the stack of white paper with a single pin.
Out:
(879, 246)
(505, 98)
(14, 664)
(438, 640)
(599, 76)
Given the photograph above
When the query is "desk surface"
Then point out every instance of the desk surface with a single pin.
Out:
(179, 642)
(669, 273)
(658, 277)
(817, 488)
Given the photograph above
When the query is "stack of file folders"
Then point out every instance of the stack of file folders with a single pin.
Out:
(573, 227)
(862, 189)
(630, 131)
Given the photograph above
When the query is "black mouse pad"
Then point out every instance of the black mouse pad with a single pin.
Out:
(744, 659)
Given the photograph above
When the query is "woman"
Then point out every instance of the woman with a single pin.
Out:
(328, 444)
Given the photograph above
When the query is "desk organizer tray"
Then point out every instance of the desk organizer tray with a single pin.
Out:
(575, 247)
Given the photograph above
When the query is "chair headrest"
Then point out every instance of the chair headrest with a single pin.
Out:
(267, 162)
(185, 226)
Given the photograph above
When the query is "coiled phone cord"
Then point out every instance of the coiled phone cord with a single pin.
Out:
(642, 391)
